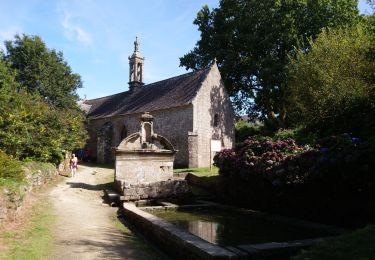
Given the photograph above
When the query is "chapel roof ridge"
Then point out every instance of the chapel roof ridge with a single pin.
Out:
(176, 77)
(176, 91)
(155, 83)
(112, 95)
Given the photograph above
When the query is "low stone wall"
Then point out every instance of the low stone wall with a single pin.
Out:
(155, 190)
(12, 198)
(38, 174)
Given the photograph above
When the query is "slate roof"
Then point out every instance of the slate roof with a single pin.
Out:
(172, 92)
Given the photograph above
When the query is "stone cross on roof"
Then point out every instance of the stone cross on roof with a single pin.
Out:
(136, 44)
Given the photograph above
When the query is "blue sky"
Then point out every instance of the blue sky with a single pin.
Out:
(96, 37)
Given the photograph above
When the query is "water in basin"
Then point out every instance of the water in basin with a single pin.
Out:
(227, 227)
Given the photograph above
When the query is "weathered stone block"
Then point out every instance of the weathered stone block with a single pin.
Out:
(164, 189)
(144, 196)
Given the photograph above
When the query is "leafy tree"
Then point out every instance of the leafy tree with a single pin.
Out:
(9, 169)
(43, 71)
(252, 40)
(31, 128)
(332, 87)
(243, 130)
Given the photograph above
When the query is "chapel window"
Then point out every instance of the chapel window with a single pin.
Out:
(124, 133)
(216, 120)
(132, 75)
(147, 132)
(138, 71)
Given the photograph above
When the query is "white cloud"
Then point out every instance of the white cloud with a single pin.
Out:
(74, 32)
(8, 34)
(83, 36)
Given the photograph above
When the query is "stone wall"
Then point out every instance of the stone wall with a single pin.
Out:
(173, 123)
(156, 190)
(212, 100)
(12, 199)
(143, 167)
(193, 149)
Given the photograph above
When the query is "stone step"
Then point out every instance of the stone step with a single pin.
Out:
(113, 196)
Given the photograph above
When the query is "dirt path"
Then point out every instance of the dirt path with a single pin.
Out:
(86, 227)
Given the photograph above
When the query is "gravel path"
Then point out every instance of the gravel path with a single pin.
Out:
(85, 227)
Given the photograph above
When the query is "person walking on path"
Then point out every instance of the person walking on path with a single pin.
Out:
(73, 165)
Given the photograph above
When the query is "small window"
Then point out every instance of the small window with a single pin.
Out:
(132, 67)
(216, 120)
(147, 127)
(124, 133)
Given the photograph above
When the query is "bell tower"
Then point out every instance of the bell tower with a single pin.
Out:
(136, 62)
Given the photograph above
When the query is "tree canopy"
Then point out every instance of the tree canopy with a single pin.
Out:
(39, 116)
(43, 71)
(252, 41)
(337, 93)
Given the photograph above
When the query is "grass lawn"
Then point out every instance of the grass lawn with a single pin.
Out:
(202, 172)
(359, 244)
(34, 239)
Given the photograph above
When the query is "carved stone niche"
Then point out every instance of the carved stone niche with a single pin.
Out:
(143, 157)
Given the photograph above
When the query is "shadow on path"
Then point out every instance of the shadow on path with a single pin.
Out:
(111, 245)
(95, 187)
(98, 165)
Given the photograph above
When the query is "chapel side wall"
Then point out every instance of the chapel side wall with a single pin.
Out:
(94, 125)
(212, 99)
(172, 123)
(91, 142)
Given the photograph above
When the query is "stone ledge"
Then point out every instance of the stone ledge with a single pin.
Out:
(161, 189)
(281, 250)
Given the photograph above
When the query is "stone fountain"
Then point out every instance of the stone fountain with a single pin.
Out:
(144, 165)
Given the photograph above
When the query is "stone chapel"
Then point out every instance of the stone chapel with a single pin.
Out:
(192, 110)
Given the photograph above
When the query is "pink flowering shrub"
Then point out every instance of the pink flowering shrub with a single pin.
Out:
(282, 162)
(226, 160)
(255, 157)
(281, 175)
(345, 161)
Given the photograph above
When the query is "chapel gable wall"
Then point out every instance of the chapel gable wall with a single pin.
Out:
(212, 100)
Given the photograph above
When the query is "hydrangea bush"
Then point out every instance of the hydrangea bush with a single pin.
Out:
(283, 162)
(254, 156)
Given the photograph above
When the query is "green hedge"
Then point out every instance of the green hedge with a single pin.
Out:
(10, 169)
(357, 245)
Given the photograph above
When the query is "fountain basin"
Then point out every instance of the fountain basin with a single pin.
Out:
(144, 166)
(203, 231)
(225, 227)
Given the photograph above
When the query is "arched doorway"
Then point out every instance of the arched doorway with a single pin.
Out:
(123, 133)
(104, 144)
